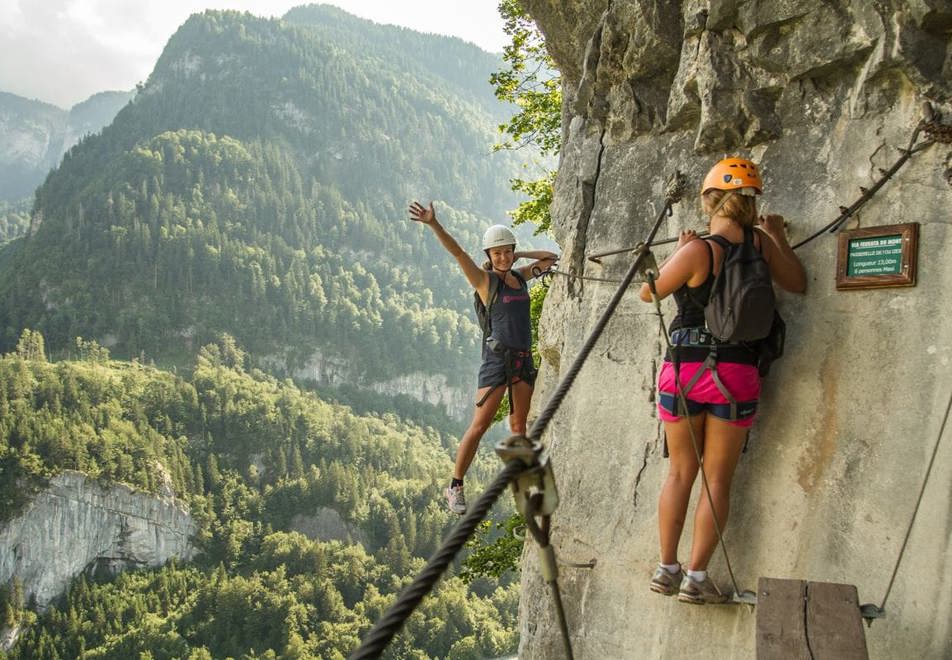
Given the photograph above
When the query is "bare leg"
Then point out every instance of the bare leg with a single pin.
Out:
(482, 420)
(676, 492)
(522, 397)
(723, 443)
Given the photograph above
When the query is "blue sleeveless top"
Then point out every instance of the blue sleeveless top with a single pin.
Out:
(510, 315)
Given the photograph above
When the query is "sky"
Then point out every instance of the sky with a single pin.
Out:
(64, 51)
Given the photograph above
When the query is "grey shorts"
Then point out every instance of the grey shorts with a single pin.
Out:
(492, 371)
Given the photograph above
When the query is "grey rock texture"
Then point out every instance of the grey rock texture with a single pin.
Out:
(77, 524)
(35, 135)
(327, 525)
(820, 94)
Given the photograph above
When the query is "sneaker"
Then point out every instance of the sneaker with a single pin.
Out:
(456, 500)
(699, 593)
(666, 583)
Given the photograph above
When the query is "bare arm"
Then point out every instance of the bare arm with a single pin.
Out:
(543, 261)
(785, 266)
(477, 277)
(679, 268)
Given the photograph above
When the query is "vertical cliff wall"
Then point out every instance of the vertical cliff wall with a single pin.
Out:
(820, 93)
(77, 524)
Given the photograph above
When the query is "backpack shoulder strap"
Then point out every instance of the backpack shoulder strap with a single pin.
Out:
(723, 243)
(494, 283)
(519, 277)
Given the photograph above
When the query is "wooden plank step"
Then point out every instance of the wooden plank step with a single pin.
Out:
(803, 620)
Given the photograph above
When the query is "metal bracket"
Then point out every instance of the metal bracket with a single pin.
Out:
(648, 263)
(518, 447)
(745, 597)
(869, 611)
(535, 492)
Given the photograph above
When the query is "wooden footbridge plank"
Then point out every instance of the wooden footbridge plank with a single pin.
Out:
(808, 620)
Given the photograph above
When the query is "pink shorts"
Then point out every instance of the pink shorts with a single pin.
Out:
(741, 380)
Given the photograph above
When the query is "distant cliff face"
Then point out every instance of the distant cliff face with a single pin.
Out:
(77, 524)
(820, 94)
(35, 135)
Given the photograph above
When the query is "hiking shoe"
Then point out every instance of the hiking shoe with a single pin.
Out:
(455, 499)
(699, 593)
(666, 583)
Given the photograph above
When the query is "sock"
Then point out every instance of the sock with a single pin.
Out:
(456, 482)
(671, 568)
(698, 576)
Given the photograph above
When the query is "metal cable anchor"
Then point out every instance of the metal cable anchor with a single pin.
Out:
(536, 499)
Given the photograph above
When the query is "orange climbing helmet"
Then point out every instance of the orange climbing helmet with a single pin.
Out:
(733, 174)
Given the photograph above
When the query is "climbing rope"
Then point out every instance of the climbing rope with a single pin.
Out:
(673, 193)
(596, 258)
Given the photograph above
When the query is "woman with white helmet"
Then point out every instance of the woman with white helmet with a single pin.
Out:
(507, 356)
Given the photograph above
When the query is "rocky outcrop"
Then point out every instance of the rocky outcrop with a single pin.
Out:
(35, 135)
(334, 370)
(327, 525)
(434, 389)
(820, 94)
(77, 524)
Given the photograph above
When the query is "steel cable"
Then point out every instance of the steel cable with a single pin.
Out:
(915, 512)
(390, 623)
(552, 405)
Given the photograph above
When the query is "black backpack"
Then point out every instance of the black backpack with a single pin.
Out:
(483, 317)
(742, 306)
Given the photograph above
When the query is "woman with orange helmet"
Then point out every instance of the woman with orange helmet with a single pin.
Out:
(720, 403)
(507, 356)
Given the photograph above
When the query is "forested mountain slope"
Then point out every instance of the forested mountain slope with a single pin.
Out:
(259, 464)
(257, 185)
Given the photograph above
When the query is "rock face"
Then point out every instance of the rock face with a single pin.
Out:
(435, 389)
(76, 525)
(820, 94)
(327, 525)
(35, 135)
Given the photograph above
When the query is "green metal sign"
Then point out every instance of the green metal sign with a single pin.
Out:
(876, 255)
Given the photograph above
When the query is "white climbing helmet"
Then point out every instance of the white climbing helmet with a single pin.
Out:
(497, 236)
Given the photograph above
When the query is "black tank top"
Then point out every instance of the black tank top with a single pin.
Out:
(510, 314)
(691, 300)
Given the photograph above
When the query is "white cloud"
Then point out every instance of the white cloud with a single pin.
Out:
(63, 51)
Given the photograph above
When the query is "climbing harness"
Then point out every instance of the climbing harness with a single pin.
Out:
(518, 365)
(527, 467)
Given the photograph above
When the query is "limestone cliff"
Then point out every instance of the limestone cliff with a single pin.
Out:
(820, 94)
(35, 135)
(77, 524)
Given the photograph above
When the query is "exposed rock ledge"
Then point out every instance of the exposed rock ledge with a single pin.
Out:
(77, 524)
